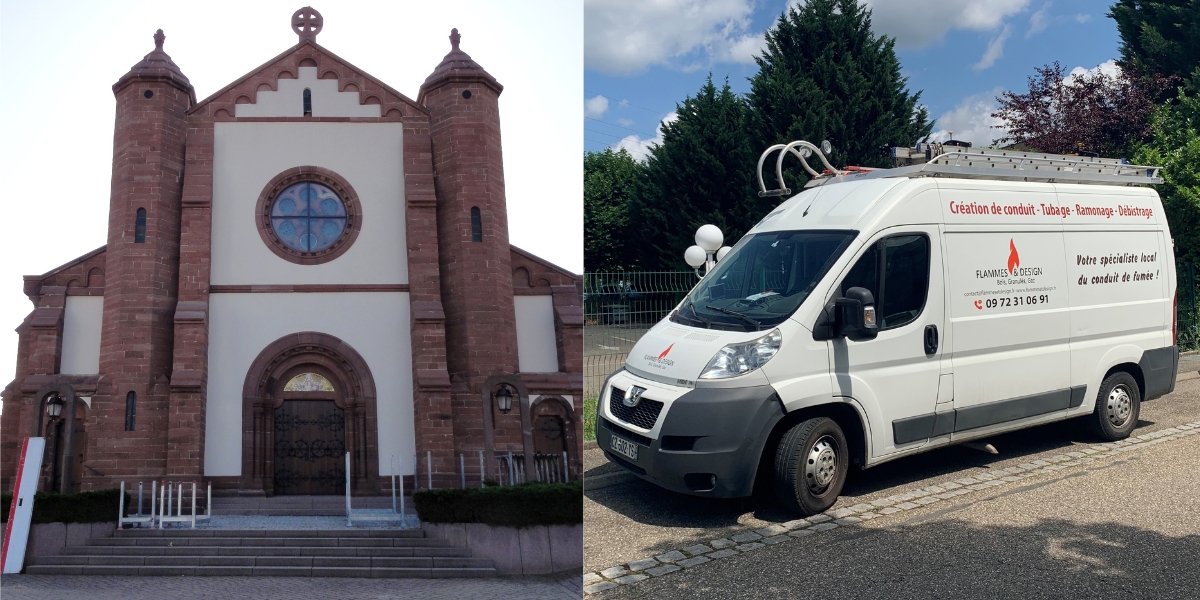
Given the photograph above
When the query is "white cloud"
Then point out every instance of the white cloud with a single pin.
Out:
(623, 122)
(918, 23)
(1039, 21)
(640, 148)
(995, 50)
(1082, 18)
(595, 107)
(972, 120)
(1108, 68)
(623, 37)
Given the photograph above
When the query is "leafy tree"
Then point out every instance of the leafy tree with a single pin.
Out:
(608, 187)
(703, 172)
(825, 76)
(1158, 37)
(1175, 146)
(1091, 111)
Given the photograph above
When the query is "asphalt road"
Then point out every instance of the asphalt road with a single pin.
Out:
(1148, 501)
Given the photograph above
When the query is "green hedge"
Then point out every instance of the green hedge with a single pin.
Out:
(82, 507)
(513, 506)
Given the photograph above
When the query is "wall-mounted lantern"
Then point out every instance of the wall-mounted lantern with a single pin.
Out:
(503, 398)
(54, 405)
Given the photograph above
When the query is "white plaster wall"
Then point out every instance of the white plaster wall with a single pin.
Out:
(537, 349)
(81, 335)
(368, 155)
(373, 323)
(288, 101)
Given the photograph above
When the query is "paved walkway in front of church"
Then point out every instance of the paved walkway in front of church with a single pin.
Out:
(97, 587)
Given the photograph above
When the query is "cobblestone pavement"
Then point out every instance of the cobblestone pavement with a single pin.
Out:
(1123, 526)
(76, 587)
(641, 530)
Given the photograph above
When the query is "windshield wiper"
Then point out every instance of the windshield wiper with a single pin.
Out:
(739, 315)
(706, 322)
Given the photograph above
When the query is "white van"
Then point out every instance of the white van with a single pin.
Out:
(882, 314)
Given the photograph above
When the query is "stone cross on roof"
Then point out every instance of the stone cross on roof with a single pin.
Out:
(307, 23)
(454, 38)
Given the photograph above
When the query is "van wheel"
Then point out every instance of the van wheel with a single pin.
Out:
(810, 466)
(1117, 407)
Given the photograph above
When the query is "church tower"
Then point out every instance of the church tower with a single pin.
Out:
(475, 257)
(130, 410)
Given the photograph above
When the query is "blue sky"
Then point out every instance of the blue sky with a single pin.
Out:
(643, 56)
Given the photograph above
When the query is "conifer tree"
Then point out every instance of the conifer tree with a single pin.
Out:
(825, 76)
(702, 172)
(609, 180)
(1158, 37)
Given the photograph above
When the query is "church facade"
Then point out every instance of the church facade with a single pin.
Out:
(303, 265)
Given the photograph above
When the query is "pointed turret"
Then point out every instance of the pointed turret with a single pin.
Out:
(141, 269)
(157, 66)
(457, 67)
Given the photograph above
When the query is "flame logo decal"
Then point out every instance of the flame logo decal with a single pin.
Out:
(664, 352)
(1014, 260)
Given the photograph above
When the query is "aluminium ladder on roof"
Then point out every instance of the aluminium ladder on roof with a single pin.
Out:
(978, 163)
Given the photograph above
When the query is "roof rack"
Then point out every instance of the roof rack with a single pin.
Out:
(972, 163)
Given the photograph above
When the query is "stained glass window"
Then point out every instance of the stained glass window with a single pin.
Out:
(308, 217)
(308, 382)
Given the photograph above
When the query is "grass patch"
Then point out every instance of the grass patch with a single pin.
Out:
(589, 418)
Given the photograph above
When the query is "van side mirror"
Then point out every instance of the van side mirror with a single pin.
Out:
(855, 317)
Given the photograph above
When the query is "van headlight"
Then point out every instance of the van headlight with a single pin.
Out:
(739, 359)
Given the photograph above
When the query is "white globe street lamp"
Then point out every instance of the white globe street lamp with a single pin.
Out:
(708, 249)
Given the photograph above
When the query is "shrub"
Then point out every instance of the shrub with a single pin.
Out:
(511, 506)
(81, 507)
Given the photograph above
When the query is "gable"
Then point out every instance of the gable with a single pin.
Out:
(275, 90)
(325, 100)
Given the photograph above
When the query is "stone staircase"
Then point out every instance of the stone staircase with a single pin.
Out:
(295, 553)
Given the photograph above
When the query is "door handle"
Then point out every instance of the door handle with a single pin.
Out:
(931, 340)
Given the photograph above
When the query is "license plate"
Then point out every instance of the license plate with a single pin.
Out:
(623, 447)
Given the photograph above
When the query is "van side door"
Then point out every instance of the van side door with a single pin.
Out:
(894, 377)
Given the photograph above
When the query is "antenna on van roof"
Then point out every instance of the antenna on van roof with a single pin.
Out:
(806, 149)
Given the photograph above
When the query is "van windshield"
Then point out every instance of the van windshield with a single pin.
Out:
(763, 279)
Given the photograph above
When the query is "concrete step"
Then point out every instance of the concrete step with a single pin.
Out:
(380, 572)
(185, 550)
(282, 542)
(267, 561)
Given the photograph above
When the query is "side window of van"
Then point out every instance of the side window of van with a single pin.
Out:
(902, 285)
(905, 280)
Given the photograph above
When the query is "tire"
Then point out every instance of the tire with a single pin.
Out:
(1117, 407)
(810, 466)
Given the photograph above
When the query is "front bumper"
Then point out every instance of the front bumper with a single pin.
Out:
(704, 433)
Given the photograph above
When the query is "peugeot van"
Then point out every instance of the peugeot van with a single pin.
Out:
(887, 313)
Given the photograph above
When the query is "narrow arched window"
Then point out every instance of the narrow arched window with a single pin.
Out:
(139, 228)
(307, 103)
(476, 225)
(130, 411)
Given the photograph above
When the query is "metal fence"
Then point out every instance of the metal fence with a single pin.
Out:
(1187, 325)
(618, 307)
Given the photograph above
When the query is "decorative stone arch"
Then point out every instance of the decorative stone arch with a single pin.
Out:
(262, 394)
(557, 406)
(70, 402)
(490, 385)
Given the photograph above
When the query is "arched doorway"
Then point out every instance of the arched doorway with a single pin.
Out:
(308, 399)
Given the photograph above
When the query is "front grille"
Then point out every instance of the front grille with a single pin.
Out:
(644, 415)
(625, 433)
